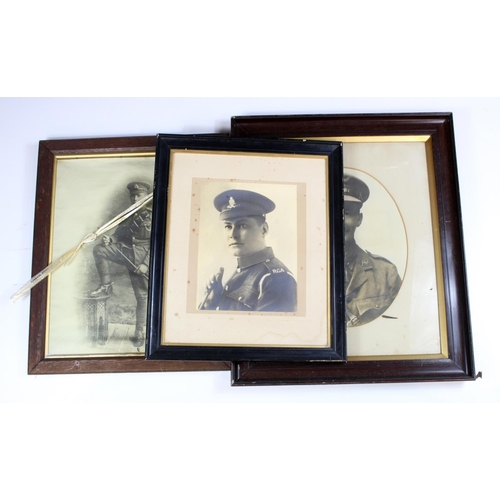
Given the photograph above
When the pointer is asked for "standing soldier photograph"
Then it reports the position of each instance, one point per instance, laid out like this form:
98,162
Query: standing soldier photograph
129,246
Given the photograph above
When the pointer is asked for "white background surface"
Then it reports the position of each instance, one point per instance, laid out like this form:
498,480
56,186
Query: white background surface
130,435
84,422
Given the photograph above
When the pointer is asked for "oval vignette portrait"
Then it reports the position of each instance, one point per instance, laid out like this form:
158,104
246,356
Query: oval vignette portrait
376,248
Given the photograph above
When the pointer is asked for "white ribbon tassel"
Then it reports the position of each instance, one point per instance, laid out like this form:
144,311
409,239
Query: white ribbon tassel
71,254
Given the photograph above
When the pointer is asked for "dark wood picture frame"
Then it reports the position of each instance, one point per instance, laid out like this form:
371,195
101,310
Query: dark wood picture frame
459,363
174,154
38,361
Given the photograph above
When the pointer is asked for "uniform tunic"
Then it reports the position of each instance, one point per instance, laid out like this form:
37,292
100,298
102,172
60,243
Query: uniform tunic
129,247
260,283
372,284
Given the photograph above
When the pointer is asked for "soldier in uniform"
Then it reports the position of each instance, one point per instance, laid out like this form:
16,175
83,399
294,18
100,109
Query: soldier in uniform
261,282
372,282
129,246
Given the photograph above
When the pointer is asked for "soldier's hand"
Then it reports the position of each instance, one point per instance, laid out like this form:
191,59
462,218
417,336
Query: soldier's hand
216,281
106,240
141,269
213,291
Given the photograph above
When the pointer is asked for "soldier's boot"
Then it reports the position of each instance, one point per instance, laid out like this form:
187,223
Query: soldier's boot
138,338
102,290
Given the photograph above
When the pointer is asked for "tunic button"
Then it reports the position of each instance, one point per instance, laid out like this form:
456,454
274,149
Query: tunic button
238,270
240,298
226,287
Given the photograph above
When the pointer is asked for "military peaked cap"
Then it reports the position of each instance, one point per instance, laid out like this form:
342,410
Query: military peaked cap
138,187
355,189
242,203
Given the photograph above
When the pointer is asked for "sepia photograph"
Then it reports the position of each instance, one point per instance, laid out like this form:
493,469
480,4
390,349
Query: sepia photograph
247,246
373,277
392,276
98,302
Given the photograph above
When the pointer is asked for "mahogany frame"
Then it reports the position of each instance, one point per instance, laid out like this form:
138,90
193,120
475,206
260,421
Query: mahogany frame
459,365
38,362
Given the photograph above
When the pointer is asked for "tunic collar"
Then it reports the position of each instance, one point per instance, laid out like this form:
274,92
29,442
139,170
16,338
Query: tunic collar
363,263
255,258
351,254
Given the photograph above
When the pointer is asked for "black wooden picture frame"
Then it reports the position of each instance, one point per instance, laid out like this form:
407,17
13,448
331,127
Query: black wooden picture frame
178,328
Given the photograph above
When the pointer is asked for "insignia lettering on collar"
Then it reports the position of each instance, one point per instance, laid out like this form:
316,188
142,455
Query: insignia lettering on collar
364,262
280,270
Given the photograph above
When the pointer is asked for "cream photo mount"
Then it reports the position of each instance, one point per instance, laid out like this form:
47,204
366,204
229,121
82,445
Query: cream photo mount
247,250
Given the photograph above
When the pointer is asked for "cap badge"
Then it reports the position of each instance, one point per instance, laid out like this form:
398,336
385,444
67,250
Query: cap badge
232,203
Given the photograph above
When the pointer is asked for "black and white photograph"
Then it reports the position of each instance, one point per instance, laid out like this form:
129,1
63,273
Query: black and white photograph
97,303
248,246
372,280
393,283
254,229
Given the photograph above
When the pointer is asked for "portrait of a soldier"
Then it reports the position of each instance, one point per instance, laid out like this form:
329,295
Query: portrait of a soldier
129,246
372,282
260,282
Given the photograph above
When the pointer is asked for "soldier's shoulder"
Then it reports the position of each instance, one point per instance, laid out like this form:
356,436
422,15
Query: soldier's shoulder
378,260
276,268
377,257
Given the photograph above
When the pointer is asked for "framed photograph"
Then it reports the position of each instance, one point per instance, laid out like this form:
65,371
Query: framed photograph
243,232
90,315
406,292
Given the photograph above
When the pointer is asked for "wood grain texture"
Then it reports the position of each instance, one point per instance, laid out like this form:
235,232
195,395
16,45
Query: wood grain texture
38,363
460,363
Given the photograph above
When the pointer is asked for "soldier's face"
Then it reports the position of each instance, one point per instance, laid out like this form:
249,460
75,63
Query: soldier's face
353,219
244,235
135,197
